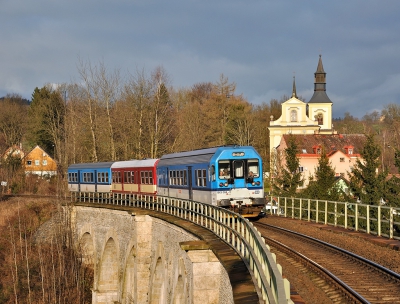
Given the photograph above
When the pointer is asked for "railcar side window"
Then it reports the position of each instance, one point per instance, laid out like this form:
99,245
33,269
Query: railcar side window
146,177
253,167
224,169
102,177
88,177
177,177
73,177
201,178
129,177
116,176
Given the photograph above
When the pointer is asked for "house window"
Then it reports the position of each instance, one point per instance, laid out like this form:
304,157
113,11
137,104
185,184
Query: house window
319,151
29,162
350,151
301,169
44,162
293,115
37,162
342,159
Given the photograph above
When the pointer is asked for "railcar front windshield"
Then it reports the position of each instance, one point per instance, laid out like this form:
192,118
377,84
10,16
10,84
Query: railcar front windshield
224,169
253,166
240,168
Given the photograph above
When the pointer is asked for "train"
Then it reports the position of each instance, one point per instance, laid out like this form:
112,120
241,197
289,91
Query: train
225,176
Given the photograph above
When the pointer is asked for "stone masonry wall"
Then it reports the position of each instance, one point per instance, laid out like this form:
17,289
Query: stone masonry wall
138,259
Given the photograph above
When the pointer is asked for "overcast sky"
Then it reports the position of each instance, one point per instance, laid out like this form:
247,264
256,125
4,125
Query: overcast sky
259,45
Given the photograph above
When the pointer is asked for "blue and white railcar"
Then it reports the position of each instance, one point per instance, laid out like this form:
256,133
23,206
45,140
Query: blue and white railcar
90,177
229,176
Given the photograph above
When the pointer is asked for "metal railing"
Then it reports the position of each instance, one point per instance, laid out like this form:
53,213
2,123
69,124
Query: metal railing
373,219
231,227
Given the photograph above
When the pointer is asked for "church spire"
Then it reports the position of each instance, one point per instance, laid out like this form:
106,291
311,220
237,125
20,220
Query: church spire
320,77
320,85
294,94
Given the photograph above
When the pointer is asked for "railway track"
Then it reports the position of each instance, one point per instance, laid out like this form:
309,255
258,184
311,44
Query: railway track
344,276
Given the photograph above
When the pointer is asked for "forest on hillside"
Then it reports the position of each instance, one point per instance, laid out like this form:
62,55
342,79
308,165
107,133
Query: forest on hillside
107,116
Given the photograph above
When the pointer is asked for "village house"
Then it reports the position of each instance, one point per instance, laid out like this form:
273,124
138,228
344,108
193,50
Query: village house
38,162
14,151
342,150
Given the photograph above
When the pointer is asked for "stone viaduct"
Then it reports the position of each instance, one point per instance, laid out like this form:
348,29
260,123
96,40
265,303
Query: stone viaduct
143,257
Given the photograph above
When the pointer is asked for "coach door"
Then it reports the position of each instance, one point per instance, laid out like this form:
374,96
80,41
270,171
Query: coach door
79,180
190,183
95,180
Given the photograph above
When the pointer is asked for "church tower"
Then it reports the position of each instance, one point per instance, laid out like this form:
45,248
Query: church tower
300,118
320,106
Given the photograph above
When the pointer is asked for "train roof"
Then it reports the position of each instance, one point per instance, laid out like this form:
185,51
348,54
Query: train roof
100,165
135,163
197,156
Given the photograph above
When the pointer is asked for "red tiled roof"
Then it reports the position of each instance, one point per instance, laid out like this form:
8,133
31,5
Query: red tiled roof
331,142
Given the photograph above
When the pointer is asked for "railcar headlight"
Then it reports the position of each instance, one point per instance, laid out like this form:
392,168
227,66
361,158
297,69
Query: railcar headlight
221,184
258,183
253,183
226,184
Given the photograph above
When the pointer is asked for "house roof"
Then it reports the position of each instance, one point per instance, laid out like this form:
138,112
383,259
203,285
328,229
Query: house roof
331,142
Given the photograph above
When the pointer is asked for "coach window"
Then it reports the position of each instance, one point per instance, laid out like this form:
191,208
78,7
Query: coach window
201,180
88,177
150,178
185,177
180,177
223,169
116,175
253,167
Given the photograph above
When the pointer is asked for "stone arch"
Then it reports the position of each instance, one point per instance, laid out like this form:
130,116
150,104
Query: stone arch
158,283
87,249
108,272
180,286
129,283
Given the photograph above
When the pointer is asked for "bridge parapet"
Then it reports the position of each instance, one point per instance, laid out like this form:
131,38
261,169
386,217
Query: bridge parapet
236,231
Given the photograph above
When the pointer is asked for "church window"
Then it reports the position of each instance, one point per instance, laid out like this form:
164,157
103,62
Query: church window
293,115
320,119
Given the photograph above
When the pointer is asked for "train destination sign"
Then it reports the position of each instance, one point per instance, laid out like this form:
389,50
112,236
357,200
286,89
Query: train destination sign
237,153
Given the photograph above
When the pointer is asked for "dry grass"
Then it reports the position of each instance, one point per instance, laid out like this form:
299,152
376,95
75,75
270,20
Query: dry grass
32,272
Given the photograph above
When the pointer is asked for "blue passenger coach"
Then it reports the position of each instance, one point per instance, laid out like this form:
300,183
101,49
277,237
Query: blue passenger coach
228,176
90,177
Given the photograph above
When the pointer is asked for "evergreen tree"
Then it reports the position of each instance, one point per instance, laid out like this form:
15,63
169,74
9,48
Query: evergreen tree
47,114
365,183
289,178
392,187
323,186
